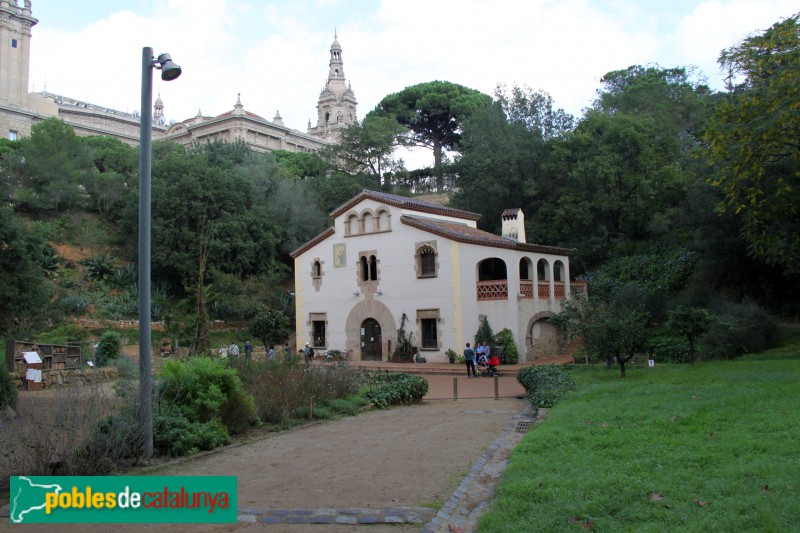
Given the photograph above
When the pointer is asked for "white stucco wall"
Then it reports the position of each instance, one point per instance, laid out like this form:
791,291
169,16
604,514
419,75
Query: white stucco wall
453,291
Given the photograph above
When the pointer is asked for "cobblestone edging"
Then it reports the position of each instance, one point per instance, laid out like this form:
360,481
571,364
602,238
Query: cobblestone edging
348,516
475,493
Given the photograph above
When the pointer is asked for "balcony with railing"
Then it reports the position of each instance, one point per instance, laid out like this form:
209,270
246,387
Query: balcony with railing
526,289
496,289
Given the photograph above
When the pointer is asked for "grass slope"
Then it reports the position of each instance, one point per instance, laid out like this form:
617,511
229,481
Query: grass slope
709,447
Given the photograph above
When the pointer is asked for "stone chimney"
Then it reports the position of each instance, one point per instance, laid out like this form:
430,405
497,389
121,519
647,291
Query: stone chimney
514,224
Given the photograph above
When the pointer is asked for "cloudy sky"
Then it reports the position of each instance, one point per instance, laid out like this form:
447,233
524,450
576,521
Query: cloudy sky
276,53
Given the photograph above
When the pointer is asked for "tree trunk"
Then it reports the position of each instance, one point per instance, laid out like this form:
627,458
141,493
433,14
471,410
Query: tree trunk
437,165
202,342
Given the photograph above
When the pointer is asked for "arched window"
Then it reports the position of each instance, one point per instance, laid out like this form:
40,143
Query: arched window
426,261
558,271
373,268
369,223
316,269
351,225
364,268
383,221
492,279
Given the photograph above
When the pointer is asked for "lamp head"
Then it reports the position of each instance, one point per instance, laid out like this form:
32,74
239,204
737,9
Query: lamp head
169,70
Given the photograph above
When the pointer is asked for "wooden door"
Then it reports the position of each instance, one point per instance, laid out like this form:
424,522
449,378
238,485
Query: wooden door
371,342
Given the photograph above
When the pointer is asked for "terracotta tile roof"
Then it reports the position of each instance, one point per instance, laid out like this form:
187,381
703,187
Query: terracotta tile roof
404,202
313,242
510,212
466,234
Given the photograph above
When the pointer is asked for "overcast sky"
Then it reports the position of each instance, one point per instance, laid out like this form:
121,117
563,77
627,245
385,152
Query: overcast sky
276,53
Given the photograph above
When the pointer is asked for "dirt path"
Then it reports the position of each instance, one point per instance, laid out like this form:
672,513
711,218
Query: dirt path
412,456
403,457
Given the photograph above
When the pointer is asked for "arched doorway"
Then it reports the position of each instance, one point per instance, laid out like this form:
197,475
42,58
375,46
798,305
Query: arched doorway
544,339
371,342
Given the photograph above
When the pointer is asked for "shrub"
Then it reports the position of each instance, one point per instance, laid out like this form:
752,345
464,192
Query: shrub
505,338
484,333
8,391
109,347
342,406
397,389
740,328
669,349
282,390
73,304
175,435
197,398
115,441
545,384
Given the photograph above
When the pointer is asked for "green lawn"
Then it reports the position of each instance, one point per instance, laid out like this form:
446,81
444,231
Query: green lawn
709,447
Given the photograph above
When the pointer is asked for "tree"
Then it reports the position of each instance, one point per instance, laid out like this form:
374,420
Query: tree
434,112
689,322
610,330
606,181
368,147
24,295
503,148
56,165
668,96
753,142
302,164
270,325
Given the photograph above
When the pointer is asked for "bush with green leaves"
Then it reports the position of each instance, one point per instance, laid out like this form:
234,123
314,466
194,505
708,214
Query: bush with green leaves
669,349
108,349
399,388
8,391
200,400
545,384
739,328
505,338
175,435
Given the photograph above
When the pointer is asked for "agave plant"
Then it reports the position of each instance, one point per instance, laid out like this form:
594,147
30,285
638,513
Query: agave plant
100,268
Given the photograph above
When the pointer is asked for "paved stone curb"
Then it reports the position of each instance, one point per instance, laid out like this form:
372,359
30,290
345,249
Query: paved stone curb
475,493
350,515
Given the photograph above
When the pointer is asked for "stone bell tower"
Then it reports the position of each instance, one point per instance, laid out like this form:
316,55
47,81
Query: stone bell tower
336,107
16,22
15,50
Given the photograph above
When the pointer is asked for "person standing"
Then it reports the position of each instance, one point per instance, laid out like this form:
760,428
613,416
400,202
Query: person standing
271,352
287,353
308,352
248,349
233,349
469,360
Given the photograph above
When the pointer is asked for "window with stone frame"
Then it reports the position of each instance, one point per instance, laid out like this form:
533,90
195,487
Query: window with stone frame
316,273
426,261
428,321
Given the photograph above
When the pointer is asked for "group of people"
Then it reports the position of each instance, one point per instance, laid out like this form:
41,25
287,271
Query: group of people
233,351
482,354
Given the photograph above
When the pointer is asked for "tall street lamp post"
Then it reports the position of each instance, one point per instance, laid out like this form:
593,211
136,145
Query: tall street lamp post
169,71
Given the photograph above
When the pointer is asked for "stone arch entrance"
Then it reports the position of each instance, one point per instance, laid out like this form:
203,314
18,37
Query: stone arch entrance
376,319
543,339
